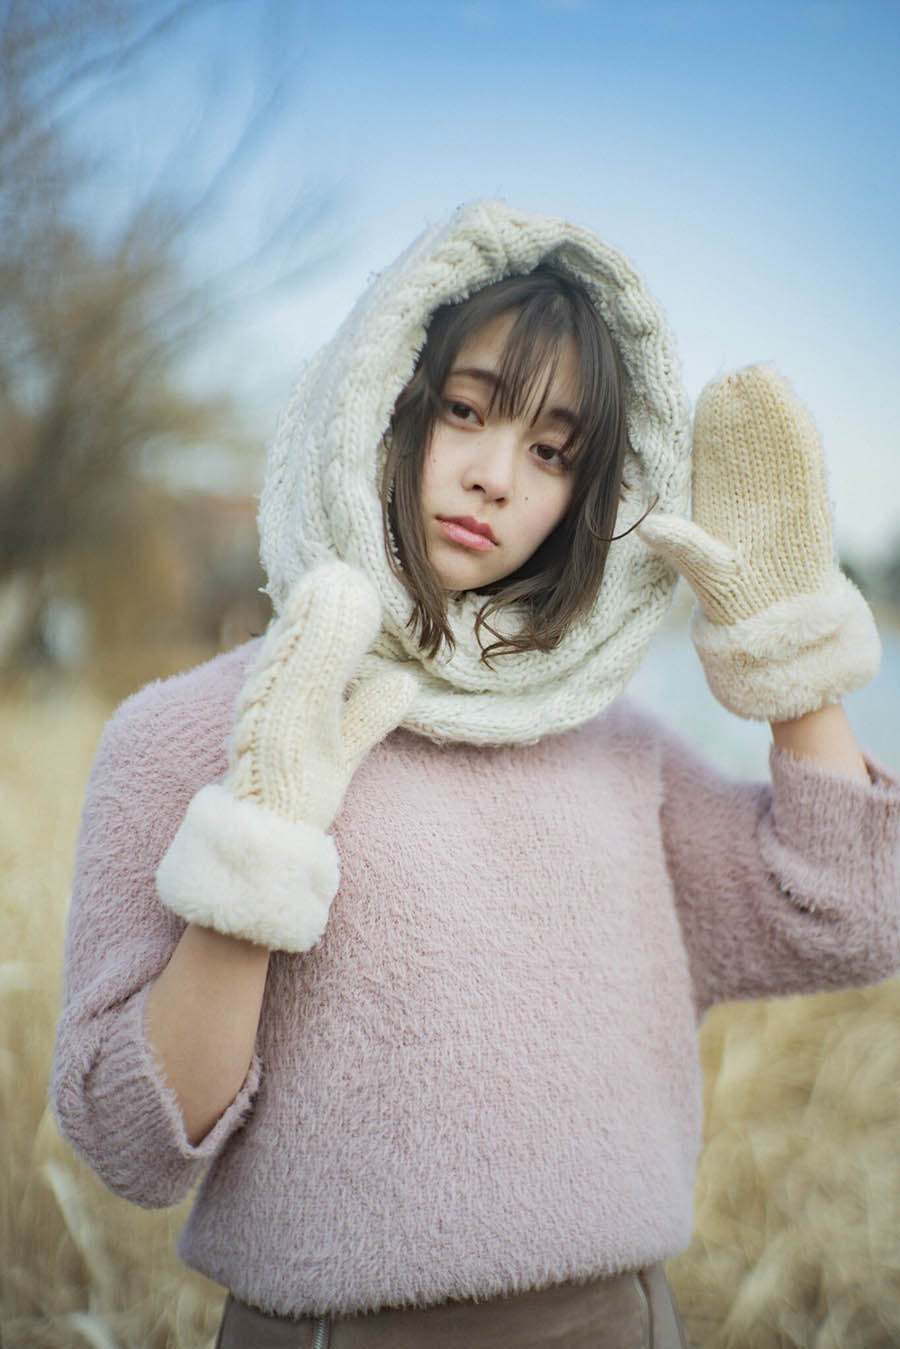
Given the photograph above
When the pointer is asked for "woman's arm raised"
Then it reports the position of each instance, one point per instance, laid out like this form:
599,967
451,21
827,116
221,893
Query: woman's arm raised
825,737
790,886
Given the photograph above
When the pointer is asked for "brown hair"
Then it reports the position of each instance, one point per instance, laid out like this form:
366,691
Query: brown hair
560,580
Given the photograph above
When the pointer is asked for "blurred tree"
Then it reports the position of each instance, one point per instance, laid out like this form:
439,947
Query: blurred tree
94,330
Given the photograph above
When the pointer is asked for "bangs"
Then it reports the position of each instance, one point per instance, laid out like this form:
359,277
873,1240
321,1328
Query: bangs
548,312
529,364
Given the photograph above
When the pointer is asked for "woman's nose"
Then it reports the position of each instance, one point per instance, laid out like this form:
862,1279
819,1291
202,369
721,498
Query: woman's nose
491,469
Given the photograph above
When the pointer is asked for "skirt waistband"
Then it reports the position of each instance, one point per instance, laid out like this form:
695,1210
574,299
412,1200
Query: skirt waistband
634,1310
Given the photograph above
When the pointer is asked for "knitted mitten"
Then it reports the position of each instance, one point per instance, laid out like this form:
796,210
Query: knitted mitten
779,628
251,857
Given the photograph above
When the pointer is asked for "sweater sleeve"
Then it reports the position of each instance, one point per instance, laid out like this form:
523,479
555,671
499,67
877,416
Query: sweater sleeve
110,1095
785,887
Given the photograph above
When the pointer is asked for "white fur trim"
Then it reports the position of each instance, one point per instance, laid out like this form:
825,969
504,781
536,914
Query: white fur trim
241,869
795,656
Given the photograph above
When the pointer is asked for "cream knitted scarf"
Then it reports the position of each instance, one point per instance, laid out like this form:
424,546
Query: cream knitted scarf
320,498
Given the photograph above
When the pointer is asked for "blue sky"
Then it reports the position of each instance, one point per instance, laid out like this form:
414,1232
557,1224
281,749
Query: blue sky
743,156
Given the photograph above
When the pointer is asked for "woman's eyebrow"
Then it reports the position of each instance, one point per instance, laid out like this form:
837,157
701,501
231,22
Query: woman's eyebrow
558,414
477,372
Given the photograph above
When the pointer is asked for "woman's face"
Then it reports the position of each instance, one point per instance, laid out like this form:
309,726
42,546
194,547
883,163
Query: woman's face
493,488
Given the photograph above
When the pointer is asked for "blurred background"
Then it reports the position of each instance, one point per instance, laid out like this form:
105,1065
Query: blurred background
192,195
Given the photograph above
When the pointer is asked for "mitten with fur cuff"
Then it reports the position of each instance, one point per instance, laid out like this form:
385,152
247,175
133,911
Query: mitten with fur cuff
252,857
779,628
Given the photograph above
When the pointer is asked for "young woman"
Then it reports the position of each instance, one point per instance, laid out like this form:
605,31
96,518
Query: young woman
396,927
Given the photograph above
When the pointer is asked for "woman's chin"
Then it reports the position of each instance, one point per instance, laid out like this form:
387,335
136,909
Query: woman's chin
463,572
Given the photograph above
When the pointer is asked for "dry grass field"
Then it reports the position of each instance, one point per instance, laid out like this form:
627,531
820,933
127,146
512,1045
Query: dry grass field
797,1231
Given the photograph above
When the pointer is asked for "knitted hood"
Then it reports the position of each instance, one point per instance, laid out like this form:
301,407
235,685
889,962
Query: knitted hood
321,500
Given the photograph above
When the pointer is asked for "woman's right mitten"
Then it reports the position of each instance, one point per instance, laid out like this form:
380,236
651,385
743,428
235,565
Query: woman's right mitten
252,857
780,629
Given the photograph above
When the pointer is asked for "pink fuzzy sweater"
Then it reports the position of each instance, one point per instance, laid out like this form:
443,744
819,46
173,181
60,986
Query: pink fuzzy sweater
485,1076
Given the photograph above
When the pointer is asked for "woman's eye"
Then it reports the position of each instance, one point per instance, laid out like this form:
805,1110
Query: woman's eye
549,454
461,411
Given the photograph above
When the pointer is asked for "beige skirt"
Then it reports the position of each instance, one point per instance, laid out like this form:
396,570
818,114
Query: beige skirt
635,1310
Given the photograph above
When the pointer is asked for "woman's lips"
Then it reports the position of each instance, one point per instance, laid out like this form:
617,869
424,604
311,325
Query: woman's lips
470,533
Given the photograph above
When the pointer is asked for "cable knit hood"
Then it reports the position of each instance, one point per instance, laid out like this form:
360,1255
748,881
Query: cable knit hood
321,494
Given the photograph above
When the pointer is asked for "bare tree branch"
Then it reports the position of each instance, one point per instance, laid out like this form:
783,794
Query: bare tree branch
94,332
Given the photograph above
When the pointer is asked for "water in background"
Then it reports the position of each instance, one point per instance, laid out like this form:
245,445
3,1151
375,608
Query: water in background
671,683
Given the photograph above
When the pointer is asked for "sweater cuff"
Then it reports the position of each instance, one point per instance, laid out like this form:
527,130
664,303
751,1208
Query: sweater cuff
127,1120
850,832
239,868
169,1111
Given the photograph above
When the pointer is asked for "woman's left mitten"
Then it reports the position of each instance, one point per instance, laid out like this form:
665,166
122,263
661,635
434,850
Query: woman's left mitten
252,857
779,628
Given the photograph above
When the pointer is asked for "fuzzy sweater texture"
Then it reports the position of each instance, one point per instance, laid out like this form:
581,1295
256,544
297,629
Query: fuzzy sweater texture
484,1078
